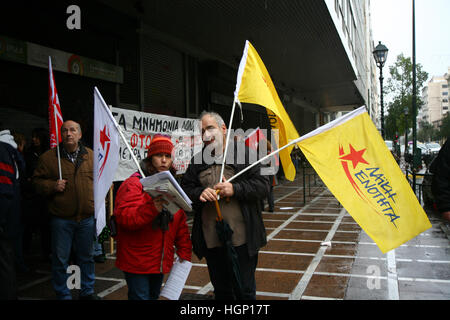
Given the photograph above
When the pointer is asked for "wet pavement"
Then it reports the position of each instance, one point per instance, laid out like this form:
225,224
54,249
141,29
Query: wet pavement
315,251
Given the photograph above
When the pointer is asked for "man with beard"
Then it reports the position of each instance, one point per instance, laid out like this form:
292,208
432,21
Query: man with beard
240,206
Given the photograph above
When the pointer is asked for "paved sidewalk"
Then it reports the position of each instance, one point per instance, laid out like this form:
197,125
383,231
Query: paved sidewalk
314,252
417,270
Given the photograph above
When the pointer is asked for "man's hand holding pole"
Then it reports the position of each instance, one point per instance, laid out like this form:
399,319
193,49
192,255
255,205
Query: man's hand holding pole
60,185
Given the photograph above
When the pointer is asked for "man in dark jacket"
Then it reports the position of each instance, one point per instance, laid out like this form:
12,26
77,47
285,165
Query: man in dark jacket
441,180
9,213
71,204
239,204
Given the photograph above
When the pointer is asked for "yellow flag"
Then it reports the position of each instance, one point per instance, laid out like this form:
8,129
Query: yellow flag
353,161
255,86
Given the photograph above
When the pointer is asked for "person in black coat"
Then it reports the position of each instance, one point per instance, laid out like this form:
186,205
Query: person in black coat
440,186
240,206
11,164
36,216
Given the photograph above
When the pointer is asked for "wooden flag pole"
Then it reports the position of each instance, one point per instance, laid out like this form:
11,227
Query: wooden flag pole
219,213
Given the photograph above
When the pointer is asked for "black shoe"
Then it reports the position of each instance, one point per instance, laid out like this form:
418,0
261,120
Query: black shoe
90,297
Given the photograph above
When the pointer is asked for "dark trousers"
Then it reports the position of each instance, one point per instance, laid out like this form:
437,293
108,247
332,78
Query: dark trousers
270,199
221,276
143,286
8,285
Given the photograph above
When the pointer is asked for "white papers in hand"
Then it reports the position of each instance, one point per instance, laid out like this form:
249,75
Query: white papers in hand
176,280
163,183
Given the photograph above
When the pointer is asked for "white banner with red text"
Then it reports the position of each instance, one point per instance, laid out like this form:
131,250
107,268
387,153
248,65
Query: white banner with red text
139,128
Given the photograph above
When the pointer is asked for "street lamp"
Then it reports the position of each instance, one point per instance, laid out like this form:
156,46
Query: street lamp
380,56
406,129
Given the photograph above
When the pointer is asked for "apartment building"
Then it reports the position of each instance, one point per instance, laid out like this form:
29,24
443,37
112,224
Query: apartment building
436,100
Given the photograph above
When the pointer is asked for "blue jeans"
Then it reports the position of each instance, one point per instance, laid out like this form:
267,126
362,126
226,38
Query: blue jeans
98,248
66,233
143,286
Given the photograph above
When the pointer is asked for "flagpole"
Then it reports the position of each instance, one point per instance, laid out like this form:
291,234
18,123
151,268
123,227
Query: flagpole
226,142
57,142
111,211
120,133
264,158
325,127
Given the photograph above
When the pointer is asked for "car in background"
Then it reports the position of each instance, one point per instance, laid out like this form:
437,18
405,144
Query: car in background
423,148
389,144
424,154
433,147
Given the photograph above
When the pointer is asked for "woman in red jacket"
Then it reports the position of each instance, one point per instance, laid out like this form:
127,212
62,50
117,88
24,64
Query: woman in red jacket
146,232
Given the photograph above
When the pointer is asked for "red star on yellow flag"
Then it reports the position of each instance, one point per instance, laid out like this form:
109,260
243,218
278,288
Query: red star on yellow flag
355,156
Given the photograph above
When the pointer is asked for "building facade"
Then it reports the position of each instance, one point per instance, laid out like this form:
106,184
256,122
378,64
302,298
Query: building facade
181,57
436,100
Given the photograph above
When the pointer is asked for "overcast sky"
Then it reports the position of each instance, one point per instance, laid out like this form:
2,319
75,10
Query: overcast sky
392,25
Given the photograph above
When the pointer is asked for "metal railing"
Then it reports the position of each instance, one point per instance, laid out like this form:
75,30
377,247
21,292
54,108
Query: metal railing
420,184
309,173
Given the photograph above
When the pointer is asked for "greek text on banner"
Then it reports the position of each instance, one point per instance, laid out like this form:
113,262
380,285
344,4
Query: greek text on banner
139,128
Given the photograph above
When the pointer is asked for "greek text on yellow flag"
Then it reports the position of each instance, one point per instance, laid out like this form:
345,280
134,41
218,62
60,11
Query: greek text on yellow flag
352,159
255,86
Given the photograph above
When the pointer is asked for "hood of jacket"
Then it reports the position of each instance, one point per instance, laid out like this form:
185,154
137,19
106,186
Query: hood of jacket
6,137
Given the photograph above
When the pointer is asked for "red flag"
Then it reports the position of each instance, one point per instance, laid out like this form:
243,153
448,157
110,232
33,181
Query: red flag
253,139
53,106
256,137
